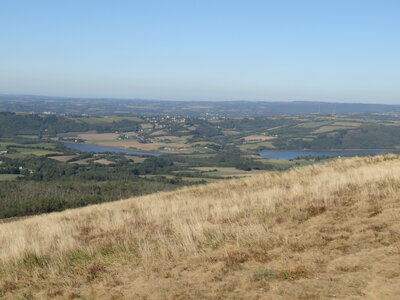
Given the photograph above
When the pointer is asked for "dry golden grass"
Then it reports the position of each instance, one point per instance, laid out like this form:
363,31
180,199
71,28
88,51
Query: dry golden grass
316,232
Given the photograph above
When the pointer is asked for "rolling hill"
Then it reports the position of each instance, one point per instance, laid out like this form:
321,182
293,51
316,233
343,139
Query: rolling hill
323,231
108,106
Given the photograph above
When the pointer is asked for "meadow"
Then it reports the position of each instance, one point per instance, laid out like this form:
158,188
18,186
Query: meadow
315,232
8,177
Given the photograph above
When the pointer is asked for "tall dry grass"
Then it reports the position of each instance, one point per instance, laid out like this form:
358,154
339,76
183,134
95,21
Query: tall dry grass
189,220
192,221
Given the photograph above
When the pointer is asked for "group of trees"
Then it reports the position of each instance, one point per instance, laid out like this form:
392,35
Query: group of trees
231,158
47,185
34,197
46,169
366,137
12,124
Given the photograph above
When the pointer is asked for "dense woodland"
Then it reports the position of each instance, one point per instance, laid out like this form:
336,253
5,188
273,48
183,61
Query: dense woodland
12,124
45,185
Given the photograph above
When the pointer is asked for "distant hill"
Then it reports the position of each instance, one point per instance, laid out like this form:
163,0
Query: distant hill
315,232
101,107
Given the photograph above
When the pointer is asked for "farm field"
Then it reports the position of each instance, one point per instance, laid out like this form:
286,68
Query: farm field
258,138
145,147
253,146
63,158
198,180
227,172
22,152
8,177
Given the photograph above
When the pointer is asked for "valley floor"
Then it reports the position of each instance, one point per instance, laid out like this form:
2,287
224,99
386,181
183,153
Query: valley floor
317,232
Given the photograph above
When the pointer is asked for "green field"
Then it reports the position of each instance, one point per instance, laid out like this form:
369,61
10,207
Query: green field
36,152
8,177
255,145
226,172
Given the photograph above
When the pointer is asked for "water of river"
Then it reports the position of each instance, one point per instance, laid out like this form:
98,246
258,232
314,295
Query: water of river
273,154
292,154
101,149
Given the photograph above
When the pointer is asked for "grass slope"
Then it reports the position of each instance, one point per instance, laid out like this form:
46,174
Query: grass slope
317,232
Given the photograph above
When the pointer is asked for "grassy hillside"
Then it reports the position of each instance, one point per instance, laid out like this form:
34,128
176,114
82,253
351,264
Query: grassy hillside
323,231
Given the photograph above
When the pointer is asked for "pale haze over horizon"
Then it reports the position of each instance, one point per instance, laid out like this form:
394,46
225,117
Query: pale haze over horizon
336,51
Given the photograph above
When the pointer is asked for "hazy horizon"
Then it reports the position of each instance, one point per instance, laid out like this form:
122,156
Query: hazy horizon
188,101
339,51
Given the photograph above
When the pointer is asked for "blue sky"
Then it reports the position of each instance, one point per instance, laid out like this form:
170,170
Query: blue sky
281,50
